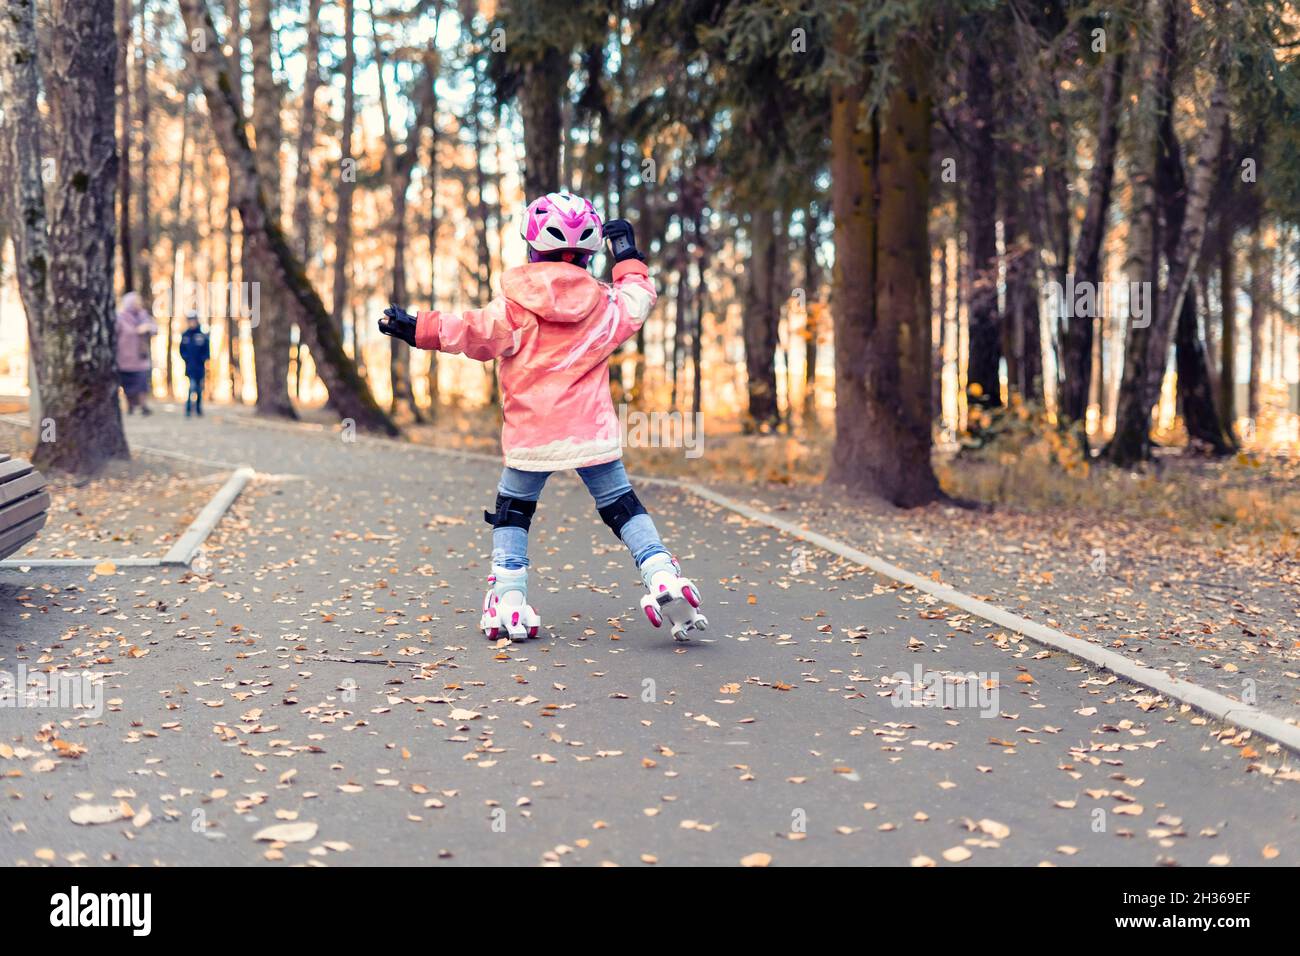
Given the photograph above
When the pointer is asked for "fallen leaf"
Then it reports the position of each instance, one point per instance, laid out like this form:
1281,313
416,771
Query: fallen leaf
286,833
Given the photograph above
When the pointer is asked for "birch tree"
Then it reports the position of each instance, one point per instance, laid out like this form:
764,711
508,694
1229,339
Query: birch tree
264,244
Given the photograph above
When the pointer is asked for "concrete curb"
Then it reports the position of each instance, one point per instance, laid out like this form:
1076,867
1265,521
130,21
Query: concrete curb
1208,702
183,551
19,564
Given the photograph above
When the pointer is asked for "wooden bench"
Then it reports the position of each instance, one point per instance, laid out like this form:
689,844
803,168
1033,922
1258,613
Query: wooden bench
24,504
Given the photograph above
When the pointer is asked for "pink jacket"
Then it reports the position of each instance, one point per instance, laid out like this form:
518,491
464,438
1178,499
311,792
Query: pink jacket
134,328
553,327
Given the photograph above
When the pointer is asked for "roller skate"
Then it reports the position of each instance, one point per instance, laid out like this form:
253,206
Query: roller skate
506,611
671,597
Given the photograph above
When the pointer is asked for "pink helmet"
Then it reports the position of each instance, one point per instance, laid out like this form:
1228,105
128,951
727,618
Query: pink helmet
561,222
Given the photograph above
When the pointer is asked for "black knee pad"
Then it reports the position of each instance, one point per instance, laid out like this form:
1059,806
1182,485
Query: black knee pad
621,510
511,513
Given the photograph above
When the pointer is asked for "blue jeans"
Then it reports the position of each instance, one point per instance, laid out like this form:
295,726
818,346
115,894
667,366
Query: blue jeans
194,399
607,483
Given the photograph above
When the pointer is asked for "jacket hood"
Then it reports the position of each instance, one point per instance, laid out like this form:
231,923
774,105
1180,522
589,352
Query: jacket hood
554,291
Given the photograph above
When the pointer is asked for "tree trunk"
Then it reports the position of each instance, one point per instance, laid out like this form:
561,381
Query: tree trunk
1076,345
265,244
701,290
1195,389
302,179
985,354
759,323
347,178
540,95
431,375
1144,365
144,214
937,341
682,307
898,362
21,141
882,287
499,221
781,285
1258,310
177,268
234,327
614,136
235,20
79,385
1211,332
307,136
482,224
124,164
1195,393
271,328
1228,322
812,286
853,295
1276,266
231,319
399,358
647,225
1131,441
1022,342
398,165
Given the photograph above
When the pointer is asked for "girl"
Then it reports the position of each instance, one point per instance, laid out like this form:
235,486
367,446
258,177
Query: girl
553,328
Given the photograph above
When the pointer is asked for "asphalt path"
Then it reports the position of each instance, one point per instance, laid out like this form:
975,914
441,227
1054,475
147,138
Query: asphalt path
320,671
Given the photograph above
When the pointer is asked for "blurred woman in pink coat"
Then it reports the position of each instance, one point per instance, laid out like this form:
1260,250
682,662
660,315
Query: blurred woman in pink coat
135,331
553,329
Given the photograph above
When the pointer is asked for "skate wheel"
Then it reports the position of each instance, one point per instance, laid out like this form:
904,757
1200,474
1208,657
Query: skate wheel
491,633
692,598
532,631
652,615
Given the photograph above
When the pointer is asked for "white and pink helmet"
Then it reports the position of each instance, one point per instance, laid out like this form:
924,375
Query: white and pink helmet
561,222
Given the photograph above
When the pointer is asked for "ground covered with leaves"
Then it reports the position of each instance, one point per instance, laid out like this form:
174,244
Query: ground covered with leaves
133,508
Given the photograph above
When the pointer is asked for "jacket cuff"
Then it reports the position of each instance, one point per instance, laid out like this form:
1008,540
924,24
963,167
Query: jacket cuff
630,267
426,331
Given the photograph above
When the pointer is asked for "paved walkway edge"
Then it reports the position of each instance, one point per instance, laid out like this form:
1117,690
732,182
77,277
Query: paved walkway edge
1207,701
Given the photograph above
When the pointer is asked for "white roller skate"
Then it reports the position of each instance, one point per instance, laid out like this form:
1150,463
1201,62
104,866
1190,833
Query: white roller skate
506,611
671,597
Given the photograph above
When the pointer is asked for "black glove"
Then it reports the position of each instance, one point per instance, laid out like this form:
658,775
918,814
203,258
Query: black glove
622,243
399,323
